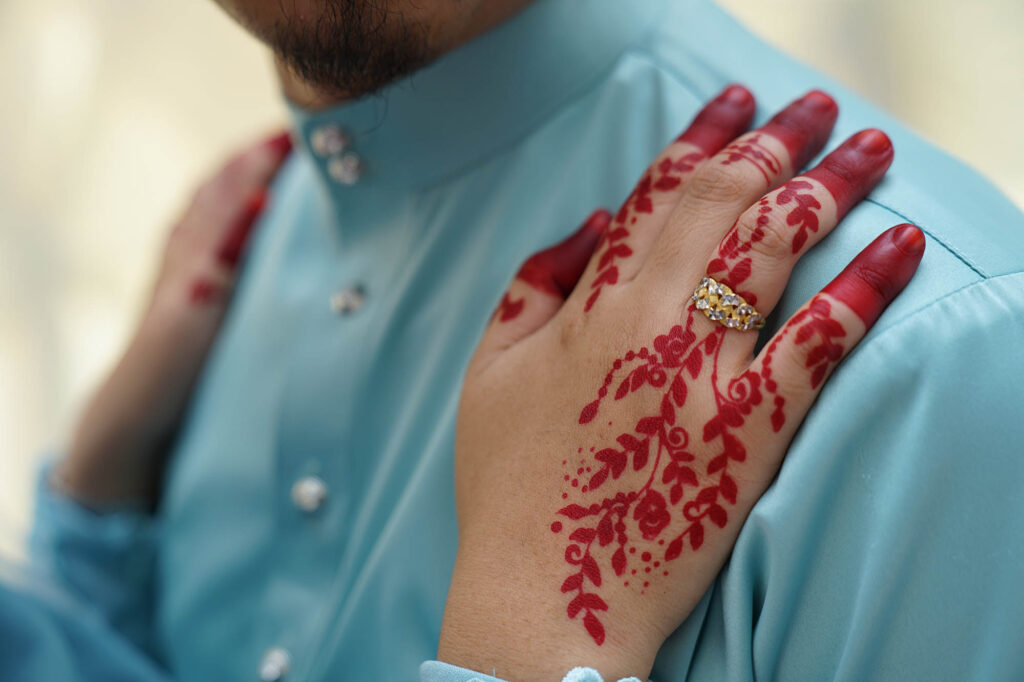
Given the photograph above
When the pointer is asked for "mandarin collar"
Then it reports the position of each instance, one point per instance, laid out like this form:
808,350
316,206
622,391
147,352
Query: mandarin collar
474,101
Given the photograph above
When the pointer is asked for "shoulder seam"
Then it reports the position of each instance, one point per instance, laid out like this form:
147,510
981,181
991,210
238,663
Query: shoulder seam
960,257
913,316
642,52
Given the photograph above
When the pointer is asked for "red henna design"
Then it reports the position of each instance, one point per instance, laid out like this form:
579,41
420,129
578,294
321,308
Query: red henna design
509,309
804,126
751,150
803,214
878,273
851,171
659,445
666,176
848,174
203,292
281,143
721,121
557,269
231,248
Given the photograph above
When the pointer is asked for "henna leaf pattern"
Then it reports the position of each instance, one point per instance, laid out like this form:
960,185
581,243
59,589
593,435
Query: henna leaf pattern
673,498
666,176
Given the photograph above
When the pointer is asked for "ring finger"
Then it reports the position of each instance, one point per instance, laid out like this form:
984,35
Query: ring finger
625,241
733,180
757,255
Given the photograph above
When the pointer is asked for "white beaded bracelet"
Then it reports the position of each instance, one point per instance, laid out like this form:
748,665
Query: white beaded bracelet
591,675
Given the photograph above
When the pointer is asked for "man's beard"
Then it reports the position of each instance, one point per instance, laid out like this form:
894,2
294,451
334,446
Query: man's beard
354,47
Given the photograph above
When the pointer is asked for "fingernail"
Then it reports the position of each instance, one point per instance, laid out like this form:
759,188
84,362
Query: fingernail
909,239
282,144
736,94
597,222
818,100
872,141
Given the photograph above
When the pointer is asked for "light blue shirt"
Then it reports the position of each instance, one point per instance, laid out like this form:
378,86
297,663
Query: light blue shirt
889,547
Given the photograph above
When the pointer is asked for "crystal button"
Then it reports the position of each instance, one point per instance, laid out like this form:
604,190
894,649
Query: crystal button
349,300
275,664
309,493
345,169
329,140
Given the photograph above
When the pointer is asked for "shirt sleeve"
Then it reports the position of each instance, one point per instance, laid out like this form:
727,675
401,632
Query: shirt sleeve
103,559
890,545
47,636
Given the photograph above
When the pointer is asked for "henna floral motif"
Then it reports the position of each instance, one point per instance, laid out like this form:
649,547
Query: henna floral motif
676,484
751,150
666,176
802,215
733,267
682,484
659,445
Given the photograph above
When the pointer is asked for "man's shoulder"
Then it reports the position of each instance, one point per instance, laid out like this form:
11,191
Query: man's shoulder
974,231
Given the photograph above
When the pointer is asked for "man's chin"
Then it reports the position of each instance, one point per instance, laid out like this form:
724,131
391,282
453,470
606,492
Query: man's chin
338,49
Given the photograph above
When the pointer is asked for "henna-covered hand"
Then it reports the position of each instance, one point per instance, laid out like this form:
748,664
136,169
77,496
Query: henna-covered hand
117,450
611,441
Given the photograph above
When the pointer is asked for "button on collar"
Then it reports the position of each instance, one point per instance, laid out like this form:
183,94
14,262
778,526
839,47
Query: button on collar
348,300
329,140
309,493
345,169
275,664
456,114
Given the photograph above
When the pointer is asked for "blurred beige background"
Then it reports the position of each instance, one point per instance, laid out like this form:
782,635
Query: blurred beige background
113,110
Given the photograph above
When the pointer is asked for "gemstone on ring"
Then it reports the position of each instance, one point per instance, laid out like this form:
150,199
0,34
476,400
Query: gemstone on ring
721,304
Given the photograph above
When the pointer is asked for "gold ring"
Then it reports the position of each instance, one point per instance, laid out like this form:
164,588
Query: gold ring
721,304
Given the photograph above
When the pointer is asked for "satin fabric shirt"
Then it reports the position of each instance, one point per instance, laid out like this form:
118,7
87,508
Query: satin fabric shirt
888,548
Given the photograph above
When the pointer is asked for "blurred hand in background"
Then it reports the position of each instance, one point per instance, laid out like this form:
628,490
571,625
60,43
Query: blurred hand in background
121,439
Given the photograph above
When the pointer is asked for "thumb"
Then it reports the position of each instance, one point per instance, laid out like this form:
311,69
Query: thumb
542,284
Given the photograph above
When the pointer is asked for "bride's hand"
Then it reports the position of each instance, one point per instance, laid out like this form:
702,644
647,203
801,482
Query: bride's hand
117,449
611,437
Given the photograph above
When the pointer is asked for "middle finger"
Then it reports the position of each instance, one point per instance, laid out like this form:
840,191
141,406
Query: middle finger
735,178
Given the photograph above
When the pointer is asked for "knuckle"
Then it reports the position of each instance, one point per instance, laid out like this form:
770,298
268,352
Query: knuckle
717,183
842,171
571,326
792,377
767,233
794,372
876,282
